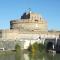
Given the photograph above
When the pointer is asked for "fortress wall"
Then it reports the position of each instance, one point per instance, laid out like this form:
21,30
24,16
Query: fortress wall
29,26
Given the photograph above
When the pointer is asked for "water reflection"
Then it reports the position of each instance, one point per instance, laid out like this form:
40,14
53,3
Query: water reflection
26,56
7,57
17,57
29,56
42,57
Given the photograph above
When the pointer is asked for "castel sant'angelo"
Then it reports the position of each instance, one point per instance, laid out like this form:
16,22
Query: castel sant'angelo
30,28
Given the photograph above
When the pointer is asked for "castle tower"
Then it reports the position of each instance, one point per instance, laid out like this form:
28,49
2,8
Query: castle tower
29,21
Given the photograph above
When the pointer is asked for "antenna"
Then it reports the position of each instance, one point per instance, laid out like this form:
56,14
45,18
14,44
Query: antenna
29,10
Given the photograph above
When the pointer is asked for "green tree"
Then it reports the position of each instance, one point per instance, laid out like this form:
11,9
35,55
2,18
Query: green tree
36,47
30,48
17,48
41,47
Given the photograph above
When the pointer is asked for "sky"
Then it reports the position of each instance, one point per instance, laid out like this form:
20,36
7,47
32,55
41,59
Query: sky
13,9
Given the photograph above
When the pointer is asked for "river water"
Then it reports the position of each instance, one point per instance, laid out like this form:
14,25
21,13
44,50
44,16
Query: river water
30,57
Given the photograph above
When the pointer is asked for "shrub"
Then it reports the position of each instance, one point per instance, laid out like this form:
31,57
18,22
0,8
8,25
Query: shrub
36,47
17,48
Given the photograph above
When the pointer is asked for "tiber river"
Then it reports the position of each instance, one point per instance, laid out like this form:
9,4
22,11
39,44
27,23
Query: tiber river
27,56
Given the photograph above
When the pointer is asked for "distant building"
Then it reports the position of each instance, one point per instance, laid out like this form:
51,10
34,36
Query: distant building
31,28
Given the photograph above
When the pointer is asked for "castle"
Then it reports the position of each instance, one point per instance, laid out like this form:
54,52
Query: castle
30,28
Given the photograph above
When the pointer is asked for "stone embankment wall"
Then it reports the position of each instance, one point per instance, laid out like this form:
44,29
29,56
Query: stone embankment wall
9,45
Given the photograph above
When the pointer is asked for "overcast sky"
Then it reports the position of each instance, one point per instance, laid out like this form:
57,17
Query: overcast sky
13,9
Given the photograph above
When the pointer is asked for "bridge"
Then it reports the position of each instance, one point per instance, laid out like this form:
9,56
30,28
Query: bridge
52,44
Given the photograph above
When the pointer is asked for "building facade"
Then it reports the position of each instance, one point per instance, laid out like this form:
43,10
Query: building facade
30,28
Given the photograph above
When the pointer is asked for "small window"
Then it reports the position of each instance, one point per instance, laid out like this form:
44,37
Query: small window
36,20
0,34
40,18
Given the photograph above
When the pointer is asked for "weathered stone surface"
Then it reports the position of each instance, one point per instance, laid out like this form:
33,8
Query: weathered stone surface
30,28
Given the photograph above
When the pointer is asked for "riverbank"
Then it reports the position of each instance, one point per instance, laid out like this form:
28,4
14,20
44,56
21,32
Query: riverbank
10,52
